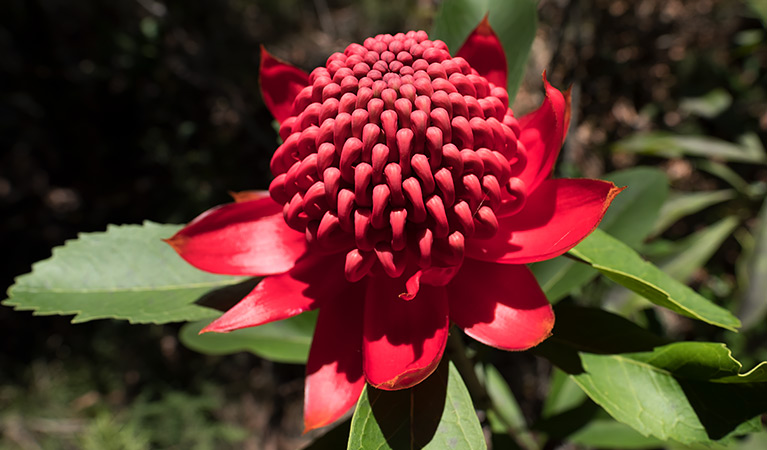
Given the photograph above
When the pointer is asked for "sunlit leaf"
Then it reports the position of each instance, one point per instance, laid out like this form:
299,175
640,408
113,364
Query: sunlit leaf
689,392
436,414
624,266
285,341
125,273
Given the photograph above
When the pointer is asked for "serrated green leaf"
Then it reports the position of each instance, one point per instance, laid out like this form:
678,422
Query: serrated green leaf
630,218
653,392
624,266
709,361
124,273
436,414
682,204
675,146
286,341
514,22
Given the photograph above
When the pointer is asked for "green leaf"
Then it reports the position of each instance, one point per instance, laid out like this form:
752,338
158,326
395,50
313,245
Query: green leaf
692,252
760,8
710,361
676,146
630,218
579,329
689,392
514,22
709,105
125,273
563,394
506,416
753,308
610,434
435,414
285,341
633,212
682,204
624,266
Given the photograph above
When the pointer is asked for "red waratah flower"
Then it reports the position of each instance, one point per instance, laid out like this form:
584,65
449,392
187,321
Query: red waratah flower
406,196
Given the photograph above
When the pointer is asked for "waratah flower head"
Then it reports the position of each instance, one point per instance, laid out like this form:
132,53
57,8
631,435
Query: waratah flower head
406,196
397,153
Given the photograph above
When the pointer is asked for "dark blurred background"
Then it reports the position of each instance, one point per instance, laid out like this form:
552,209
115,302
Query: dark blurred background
128,110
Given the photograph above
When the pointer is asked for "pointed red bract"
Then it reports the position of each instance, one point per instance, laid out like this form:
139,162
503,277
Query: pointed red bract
500,305
306,286
403,340
542,133
484,53
246,196
247,238
280,84
559,214
334,377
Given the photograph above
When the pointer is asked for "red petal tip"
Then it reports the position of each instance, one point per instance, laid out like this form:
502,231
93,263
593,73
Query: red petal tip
246,196
484,52
280,84
408,379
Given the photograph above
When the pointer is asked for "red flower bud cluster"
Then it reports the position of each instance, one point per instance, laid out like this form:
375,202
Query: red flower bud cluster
397,152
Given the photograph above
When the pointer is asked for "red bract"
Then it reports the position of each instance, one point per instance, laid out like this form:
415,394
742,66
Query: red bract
406,196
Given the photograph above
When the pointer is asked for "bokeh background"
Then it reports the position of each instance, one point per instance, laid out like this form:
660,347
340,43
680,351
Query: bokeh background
127,110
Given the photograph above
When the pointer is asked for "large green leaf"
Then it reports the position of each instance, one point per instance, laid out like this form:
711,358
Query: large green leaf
435,414
125,273
624,266
668,145
514,22
688,392
282,341
630,218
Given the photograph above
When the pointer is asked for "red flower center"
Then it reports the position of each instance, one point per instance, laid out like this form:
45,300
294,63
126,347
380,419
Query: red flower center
396,153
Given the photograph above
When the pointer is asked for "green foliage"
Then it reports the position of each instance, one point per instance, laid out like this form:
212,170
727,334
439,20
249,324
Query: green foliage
285,341
688,391
748,150
436,414
629,218
622,265
659,401
514,22
125,273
